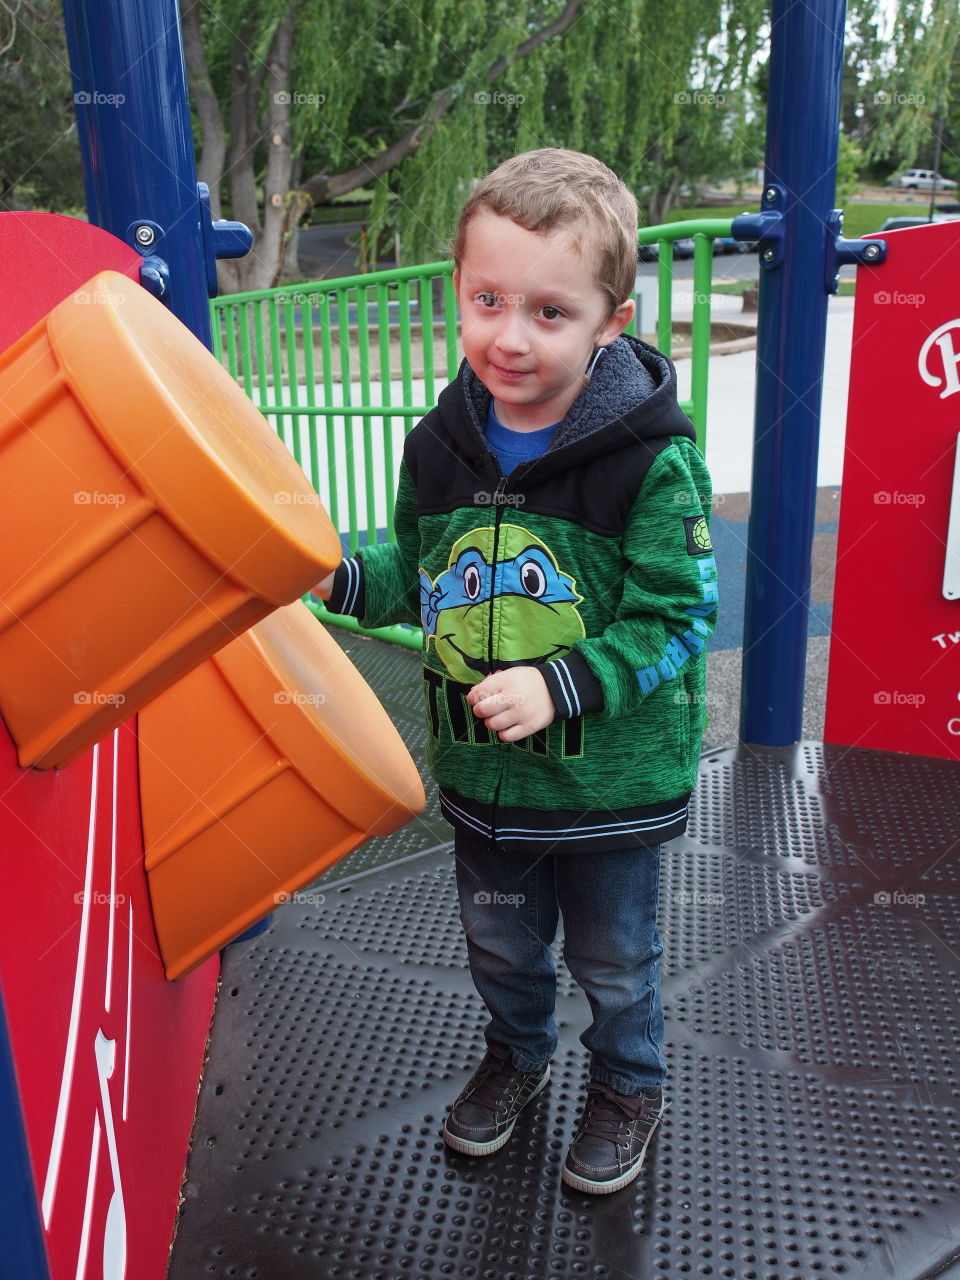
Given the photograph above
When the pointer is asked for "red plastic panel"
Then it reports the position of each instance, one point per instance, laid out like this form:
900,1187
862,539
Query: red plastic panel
44,257
108,1053
894,680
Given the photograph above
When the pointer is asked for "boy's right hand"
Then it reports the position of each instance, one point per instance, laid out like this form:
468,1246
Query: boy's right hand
323,589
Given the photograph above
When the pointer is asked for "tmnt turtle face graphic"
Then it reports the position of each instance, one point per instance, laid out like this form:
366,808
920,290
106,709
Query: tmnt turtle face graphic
520,606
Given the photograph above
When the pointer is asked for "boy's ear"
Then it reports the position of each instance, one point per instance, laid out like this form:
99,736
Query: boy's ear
456,279
617,323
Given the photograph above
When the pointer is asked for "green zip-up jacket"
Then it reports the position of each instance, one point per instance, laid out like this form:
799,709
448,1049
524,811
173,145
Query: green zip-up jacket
594,563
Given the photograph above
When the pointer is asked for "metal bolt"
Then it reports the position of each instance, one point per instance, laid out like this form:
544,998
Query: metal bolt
768,255
145,236
871,252
770,195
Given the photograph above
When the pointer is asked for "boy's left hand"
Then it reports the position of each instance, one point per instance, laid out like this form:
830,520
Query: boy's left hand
513,703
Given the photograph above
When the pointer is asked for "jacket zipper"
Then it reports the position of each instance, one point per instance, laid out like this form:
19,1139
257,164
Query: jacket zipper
498,495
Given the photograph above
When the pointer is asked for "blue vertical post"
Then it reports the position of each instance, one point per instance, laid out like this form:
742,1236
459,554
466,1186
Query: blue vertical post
21,1235
136,142
803,114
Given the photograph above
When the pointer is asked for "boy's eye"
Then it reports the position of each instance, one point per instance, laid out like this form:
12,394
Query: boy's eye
487,299
551,313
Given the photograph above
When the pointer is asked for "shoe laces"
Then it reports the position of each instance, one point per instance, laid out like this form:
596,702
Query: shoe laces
608,1114
492,1079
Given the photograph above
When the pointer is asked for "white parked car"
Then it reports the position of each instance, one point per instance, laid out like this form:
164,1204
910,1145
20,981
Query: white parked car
923,180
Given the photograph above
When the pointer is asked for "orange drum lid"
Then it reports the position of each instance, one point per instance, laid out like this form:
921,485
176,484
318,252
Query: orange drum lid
175,417
313,704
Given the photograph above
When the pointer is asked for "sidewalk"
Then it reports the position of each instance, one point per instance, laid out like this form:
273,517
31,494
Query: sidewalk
730,431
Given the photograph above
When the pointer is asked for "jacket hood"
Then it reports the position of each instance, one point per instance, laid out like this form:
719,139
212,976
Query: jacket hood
631,396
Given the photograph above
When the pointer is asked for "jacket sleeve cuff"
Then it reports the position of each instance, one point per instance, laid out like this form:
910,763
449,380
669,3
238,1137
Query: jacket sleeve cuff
347,595
573,686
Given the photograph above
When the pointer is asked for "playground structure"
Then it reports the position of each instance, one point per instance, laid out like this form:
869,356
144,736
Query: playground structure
808,1113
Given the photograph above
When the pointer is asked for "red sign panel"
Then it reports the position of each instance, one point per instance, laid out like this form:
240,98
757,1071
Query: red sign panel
107,1053
894,681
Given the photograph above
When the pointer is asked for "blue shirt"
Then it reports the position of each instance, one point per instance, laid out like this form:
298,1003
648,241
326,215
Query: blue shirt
513,447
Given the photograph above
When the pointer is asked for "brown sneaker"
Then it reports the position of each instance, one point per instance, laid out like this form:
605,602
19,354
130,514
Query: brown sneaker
611,1139
483,1116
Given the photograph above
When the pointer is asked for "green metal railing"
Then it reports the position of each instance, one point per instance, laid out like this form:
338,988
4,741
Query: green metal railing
345,368
703,232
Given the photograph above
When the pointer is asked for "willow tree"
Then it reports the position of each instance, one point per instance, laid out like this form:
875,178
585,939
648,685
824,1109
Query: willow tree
298,101
905,79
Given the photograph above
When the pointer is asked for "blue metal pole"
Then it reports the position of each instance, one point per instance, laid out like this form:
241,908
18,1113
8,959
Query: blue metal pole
806,62
23,1253
133,120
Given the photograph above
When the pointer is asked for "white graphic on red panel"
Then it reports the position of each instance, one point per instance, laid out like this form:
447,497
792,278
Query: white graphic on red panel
99,1054
951,567
942,366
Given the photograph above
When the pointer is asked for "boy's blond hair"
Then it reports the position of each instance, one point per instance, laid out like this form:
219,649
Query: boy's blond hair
553,187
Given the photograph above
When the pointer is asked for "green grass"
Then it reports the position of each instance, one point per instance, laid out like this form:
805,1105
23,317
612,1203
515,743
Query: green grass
335,214
712,211
860,217
736,287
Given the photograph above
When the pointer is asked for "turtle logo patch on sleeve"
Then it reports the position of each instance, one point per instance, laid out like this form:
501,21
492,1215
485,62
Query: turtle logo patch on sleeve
698,535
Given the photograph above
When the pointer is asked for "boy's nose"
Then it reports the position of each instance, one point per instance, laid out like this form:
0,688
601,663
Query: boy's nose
511,332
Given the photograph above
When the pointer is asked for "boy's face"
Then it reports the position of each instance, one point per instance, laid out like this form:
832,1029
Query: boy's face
531,316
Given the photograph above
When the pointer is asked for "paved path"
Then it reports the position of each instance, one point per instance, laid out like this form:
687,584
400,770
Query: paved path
729,455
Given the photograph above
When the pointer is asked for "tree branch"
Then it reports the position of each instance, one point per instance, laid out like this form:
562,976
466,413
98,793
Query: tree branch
213,138
322,186
538,38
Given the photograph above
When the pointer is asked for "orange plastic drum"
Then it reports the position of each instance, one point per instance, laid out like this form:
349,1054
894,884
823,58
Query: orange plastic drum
258,771
150,514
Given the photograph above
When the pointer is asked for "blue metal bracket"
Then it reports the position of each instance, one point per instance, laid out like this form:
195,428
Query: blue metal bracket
147,238
221,239
155,277
840,252
767,226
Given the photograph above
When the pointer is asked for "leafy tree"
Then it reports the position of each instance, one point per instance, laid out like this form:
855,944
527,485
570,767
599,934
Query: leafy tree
901,80
39,153
299,101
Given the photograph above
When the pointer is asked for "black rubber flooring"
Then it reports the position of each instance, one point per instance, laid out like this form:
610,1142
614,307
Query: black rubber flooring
811,920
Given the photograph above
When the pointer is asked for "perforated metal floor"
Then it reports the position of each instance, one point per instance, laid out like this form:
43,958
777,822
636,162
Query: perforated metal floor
811,921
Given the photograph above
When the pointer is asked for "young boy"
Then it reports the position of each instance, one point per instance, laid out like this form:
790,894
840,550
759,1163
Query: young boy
552,538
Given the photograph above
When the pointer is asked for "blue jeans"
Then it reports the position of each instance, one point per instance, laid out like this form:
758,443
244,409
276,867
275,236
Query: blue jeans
510,906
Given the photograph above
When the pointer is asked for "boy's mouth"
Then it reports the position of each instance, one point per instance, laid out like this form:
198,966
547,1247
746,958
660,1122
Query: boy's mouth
509,374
